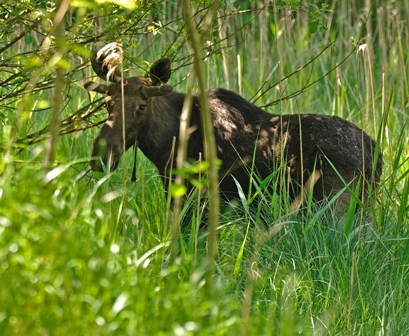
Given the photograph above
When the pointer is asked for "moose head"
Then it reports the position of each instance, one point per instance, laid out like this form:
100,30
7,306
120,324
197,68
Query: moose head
129,103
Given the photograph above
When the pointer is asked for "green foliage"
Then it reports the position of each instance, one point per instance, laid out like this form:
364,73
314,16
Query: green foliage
89,253
129,4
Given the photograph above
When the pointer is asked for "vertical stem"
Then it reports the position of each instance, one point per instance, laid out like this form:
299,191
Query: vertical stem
263,21
197,214
222,34
239,75
143,209
248,291
208,136
54,128
351,289
124,150
180,159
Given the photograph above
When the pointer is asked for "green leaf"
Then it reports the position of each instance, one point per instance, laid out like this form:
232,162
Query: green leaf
28,39
313,27
351,212
198,167
63,63
33,61
177,190
281,4
294,4
199,183
130,4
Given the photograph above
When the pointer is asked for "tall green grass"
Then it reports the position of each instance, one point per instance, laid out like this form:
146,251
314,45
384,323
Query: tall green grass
89,253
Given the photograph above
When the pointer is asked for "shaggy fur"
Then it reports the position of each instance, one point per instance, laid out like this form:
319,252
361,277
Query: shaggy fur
249,140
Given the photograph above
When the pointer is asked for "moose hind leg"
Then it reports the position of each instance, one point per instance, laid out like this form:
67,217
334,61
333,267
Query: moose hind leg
309,184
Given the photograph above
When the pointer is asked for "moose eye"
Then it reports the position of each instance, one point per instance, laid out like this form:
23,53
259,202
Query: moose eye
142,107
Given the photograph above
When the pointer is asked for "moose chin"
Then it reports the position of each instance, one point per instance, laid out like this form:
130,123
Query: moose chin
343,154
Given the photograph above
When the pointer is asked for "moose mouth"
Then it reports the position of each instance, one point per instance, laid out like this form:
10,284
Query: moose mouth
100,165
104,157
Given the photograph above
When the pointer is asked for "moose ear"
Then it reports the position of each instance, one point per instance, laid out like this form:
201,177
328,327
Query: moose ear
100,88
160,71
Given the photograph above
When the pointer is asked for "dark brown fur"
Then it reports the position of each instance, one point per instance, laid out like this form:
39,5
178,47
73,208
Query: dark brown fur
242,130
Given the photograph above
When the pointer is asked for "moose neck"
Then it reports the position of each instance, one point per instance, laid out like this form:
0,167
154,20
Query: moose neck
156,132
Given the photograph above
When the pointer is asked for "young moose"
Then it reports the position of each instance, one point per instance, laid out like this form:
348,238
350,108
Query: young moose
341,152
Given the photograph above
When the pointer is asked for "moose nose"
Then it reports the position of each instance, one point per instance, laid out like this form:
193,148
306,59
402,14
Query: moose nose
99,149
95,165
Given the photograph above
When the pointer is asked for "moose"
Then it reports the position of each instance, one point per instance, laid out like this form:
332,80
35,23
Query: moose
249,140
